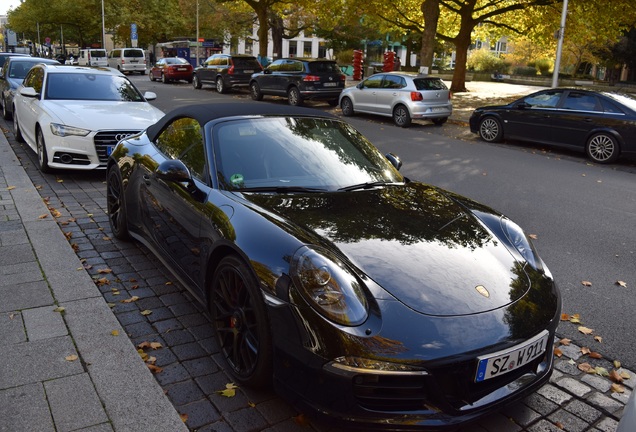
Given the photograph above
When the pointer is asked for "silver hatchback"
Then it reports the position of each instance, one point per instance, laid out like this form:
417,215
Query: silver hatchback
403,96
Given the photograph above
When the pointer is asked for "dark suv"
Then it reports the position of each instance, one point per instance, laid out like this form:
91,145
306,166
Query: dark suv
226,71
299,79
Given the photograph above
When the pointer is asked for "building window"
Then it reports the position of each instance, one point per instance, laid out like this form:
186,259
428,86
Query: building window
322,50
293,48
307,49
249,46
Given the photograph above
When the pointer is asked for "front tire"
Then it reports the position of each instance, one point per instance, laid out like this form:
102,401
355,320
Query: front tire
116,204
401,116
43,156
293,97
195,82
220,85
255,91
490,129
602,148
240,322
16,128
346,105
164,79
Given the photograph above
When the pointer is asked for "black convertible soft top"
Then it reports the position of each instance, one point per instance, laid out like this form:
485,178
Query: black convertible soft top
204,113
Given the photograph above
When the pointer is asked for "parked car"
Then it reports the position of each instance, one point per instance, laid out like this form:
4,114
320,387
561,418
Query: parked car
226,71
93,57
5,55
171,69
395,302
11,75
602,124
401,95
299,79
73,116
128,60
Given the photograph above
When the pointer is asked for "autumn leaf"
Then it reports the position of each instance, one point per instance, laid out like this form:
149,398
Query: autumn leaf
106,238
115,291
130,300
184,417
585,350
559,425
617,388
154,369
621,283
230,390
43,216
301,420
70,358
598,339
586,330
558,352
595,355
565,317
59,309
150,360
251,404
625,375
586,367
532,236
168,283
155,345
615,376
143,354
586,283
59,180
104,271
115,333
146,312
111,305
601,371
55,212
10,188
102,281
565,341
617,364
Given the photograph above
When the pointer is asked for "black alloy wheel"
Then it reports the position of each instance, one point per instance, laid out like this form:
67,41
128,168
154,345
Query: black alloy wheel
346,105
239,319
116,205
401,116
255,91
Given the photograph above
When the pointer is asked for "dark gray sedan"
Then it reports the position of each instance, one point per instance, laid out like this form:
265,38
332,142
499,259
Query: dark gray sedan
603,124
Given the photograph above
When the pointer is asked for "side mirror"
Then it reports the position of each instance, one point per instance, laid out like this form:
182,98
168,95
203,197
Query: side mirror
174,171
395,160
150,96
29,92
523,105
360,85
267,71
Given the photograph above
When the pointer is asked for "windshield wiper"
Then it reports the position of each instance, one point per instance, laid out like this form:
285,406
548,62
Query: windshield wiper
279,189
367,185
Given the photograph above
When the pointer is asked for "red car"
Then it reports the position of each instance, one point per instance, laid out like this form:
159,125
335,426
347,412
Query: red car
171,69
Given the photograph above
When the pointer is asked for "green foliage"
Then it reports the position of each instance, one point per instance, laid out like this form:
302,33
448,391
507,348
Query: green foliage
484,60
544,65
525,71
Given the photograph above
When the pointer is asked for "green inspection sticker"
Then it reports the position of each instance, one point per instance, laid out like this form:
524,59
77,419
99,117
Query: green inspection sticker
237,179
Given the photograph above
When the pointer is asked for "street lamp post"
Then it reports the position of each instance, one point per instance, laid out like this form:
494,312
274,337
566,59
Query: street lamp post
557,63
103,28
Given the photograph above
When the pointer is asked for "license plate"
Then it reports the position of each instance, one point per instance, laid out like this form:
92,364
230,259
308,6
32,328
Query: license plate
438,109
249,71
330,84
502,362
134,61
109,150
182,69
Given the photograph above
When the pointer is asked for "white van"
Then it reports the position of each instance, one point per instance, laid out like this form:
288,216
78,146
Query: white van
93,57
128,60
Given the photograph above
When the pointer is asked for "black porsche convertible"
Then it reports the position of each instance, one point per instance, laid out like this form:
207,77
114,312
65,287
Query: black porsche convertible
359,294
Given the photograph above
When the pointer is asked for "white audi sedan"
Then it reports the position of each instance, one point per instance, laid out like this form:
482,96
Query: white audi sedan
73,116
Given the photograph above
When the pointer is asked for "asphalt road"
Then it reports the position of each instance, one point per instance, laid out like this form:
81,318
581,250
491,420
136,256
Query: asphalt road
582,215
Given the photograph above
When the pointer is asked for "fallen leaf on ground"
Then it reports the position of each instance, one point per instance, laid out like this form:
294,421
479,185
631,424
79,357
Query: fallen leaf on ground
184,417
11,188
130,300
586,283
598,339
115,332
146,312
585,350
565,341
72,357
230,390
565,317
154,369
155,345
585,367
621,283
617,388
596,355
104,271
43,216
59,309
615,376
625,375
617,364
586,330
601,371
532,236
558,352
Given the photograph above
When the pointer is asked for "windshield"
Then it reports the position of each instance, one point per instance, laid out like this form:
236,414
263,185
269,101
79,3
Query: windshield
89,86
300,152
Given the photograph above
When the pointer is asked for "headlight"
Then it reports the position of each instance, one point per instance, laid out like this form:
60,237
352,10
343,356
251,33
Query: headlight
329,286
521,242
63,130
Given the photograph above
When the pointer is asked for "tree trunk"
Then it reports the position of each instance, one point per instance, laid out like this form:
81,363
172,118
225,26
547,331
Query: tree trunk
278,30
263,31
430,9
462,43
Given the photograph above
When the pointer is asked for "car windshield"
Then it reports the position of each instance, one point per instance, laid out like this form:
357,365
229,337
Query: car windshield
176,60
323,67
98,53
242,62
19,69
133,53
90,86
299,152
429,84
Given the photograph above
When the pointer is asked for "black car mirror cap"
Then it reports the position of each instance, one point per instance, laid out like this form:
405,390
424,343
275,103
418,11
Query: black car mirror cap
523,105
174,171
395,160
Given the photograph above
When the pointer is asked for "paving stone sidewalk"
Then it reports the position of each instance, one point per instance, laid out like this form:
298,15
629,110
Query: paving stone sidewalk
113,390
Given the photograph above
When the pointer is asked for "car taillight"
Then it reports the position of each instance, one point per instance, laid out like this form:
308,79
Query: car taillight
450,95
416,96
343,77
231,70
311,78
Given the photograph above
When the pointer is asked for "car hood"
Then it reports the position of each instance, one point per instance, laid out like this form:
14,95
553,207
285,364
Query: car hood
421,246
98,115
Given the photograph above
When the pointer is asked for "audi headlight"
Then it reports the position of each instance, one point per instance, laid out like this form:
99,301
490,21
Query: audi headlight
521,242
329,286
63,130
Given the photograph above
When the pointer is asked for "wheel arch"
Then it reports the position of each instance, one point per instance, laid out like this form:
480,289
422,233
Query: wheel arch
617,136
